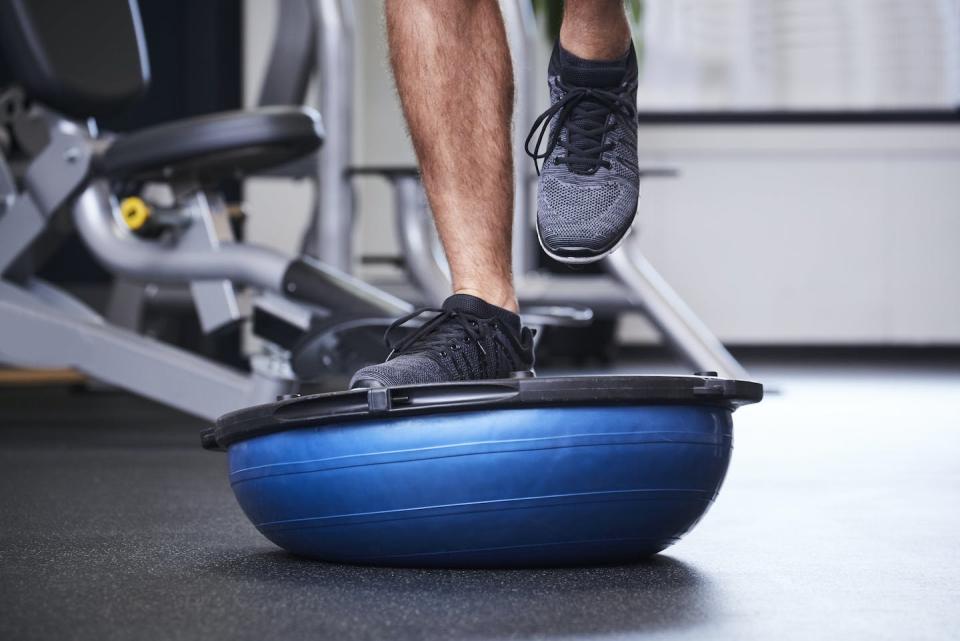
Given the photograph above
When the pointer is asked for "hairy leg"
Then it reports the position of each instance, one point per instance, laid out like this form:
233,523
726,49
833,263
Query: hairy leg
595,29
451,63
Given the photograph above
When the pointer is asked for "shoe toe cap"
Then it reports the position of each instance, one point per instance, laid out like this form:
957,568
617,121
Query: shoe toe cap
402,370
584,218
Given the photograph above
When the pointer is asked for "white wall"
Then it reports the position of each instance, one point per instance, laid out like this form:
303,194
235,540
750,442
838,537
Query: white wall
810,234
774,234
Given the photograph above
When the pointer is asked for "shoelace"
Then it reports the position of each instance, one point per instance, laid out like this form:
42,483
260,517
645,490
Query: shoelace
586,124
428,336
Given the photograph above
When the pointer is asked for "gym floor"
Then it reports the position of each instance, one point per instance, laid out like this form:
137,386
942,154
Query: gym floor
839,520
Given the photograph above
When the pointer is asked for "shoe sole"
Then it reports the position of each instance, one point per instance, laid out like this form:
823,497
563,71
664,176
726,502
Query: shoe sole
585,260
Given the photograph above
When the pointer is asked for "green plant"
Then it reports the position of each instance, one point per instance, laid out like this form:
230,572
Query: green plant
552,15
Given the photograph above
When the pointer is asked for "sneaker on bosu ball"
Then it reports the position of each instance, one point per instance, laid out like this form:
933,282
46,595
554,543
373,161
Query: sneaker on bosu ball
467,339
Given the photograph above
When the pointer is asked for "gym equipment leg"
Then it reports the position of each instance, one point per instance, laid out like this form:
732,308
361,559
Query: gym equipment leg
42,335
671,315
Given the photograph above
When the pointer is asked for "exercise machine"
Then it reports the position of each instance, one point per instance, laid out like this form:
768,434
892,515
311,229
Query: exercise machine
59,173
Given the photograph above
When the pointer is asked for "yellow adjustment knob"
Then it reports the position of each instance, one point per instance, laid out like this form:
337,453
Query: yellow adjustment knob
135,212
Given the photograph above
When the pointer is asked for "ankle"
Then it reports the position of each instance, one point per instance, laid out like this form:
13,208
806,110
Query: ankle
505,299
608,46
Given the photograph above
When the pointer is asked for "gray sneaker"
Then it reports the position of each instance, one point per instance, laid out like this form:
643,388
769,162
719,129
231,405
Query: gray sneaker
589,181
467,339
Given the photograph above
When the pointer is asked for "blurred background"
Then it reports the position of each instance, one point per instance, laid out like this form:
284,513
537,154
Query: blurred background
816,145
818,154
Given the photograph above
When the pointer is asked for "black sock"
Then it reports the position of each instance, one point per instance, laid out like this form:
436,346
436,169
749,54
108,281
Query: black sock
483,309
592,73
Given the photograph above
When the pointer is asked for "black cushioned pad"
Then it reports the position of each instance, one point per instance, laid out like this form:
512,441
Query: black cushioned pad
215,146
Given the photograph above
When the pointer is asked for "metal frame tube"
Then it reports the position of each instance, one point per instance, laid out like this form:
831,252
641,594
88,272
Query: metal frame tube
215,300
94,214
50,179
38,334
521,27
414,230
670,314
330,237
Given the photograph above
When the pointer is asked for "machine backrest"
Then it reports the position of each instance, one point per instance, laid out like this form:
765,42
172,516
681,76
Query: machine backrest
294,54
84,58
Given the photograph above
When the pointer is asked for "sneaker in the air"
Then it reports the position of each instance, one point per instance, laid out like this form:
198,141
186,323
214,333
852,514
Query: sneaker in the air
589,181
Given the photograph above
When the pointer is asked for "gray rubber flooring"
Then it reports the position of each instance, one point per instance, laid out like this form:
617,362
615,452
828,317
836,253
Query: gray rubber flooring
840,519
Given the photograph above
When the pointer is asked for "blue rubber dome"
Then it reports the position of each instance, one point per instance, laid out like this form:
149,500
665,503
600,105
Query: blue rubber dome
565,471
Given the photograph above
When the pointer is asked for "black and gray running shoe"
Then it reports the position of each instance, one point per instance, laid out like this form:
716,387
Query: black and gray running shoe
467,339
589,181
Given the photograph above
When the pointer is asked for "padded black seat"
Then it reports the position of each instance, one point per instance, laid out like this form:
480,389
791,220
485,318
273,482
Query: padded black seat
214,146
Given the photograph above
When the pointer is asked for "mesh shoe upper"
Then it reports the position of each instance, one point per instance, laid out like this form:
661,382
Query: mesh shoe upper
589,181
466,339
